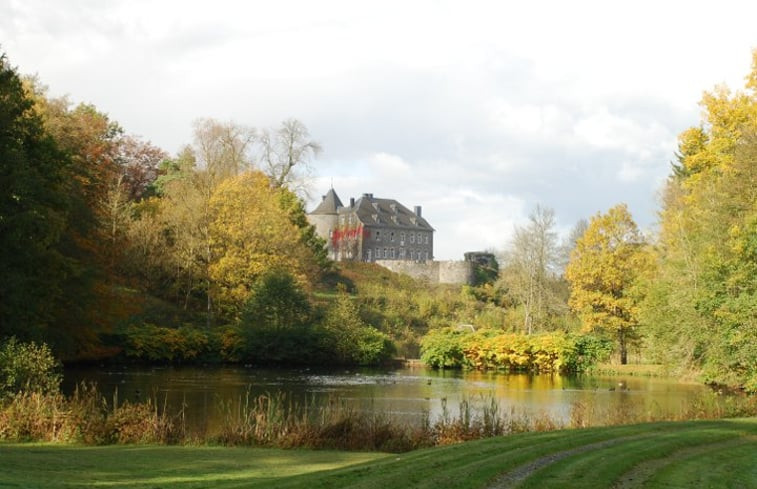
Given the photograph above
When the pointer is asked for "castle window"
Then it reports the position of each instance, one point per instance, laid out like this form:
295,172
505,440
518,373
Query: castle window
427,239
402,253
391,237
368,255
412,237
391,251
402,239
378,235
378,253
386,253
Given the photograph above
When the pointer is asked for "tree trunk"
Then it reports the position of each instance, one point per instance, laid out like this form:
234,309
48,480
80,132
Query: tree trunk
623,347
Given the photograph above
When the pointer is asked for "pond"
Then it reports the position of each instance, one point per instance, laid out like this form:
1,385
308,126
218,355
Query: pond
407,394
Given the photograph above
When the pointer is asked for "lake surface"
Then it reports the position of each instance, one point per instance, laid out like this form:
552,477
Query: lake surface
407,394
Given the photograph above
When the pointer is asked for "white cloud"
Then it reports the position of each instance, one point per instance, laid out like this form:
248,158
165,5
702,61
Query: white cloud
477,110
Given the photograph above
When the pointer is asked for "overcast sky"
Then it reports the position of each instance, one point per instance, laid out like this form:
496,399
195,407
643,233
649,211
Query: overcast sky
477,111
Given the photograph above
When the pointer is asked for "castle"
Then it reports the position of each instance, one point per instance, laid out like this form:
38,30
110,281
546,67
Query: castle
386,232
371,229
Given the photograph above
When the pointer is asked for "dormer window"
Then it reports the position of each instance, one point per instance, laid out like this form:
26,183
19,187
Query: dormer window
393,207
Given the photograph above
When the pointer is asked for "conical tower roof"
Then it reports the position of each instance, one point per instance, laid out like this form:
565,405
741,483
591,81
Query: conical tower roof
329,204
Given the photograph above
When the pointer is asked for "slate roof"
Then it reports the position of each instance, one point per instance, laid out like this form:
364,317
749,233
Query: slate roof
385,212
329,205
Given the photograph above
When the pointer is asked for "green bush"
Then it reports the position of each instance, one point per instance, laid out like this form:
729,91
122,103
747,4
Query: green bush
27,367
443,348
349,339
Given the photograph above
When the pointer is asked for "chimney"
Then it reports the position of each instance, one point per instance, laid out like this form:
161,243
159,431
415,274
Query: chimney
418,210
323,197
352,202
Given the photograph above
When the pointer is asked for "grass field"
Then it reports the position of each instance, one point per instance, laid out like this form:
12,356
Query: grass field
712,454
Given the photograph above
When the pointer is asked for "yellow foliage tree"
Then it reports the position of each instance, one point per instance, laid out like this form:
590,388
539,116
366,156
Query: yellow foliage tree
603,271
251,234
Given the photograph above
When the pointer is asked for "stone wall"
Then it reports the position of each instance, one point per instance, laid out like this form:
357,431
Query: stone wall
435,272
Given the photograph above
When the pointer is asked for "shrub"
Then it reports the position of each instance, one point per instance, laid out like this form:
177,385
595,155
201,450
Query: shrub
27,367
487,349
349,339
164,344
443,348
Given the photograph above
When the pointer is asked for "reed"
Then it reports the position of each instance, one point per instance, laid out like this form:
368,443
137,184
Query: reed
276,420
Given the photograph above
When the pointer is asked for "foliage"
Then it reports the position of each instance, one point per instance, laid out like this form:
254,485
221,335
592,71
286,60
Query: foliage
700,306
27,367
275,321
530,272
604,270
443,348
148,342
486,349
34,214
251,235
350,339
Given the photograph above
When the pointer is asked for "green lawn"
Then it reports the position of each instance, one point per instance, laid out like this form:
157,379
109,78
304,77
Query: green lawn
692,454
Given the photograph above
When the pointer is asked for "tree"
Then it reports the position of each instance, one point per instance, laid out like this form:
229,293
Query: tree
222,149
286,153
531,265
604,270
34,211
252,234
275,319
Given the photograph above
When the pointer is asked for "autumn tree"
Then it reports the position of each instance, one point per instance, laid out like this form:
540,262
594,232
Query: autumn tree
252,234
530,268
700,307
285,154
222,148
603,272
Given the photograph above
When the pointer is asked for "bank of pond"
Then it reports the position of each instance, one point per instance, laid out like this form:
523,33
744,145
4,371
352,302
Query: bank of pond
716,454
392,410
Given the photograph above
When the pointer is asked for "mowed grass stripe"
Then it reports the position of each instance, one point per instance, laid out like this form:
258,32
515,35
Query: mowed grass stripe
732,468
606,466
642,473
471,465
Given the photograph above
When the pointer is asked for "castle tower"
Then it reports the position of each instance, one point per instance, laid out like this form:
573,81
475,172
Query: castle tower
324,219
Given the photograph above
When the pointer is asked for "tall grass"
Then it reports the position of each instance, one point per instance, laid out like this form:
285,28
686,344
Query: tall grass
86,417
276,420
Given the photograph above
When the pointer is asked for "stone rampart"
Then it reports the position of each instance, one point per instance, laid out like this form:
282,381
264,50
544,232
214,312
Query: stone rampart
435,272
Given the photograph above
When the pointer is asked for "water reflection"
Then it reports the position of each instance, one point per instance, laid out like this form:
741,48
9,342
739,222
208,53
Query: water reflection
409,394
